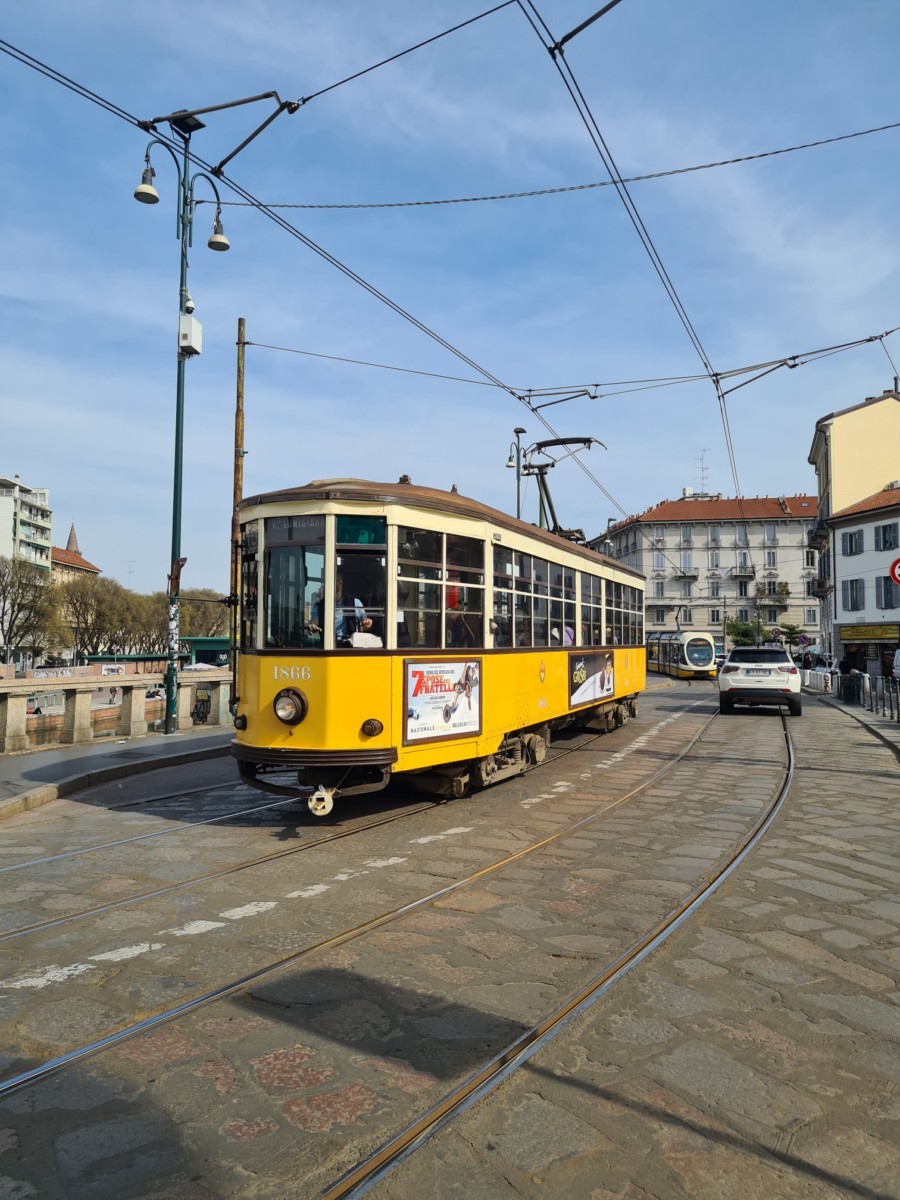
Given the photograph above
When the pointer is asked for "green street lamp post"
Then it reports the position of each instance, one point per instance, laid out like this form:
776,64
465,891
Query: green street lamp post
189,345
183,123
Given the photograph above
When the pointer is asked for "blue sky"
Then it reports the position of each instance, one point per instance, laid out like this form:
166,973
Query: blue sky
770,258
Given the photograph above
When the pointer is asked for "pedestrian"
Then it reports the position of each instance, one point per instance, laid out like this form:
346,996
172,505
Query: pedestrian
113,692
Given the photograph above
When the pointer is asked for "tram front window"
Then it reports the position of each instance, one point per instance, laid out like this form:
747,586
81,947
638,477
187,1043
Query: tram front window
699,652
294,574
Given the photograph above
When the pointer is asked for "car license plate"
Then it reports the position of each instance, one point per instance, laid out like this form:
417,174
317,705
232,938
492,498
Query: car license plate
754,671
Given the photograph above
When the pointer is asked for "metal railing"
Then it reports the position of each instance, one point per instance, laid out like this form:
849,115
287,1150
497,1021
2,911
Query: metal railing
875,693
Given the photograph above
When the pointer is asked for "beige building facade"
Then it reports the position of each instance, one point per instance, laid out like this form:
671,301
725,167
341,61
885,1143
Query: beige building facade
709,558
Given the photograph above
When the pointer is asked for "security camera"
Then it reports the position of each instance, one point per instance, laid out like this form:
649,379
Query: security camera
188,302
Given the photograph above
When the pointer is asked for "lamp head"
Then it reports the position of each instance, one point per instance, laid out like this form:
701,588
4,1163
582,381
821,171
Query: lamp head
511,461
218,240
145,191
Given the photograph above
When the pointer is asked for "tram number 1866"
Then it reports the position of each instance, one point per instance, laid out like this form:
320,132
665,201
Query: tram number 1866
280,672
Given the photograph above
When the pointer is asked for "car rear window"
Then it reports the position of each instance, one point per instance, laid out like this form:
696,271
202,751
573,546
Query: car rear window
752,655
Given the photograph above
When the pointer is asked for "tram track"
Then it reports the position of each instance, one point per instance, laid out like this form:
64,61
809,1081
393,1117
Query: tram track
61,1062
376,1166
345,830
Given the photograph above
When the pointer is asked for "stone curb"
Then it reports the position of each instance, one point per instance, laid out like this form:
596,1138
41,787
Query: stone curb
45,793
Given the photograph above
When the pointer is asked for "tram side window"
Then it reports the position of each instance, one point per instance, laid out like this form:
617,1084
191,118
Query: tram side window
419,566
464,592
541,622
502,628
294,566
591,610
624,614
562,605
522,610
249,584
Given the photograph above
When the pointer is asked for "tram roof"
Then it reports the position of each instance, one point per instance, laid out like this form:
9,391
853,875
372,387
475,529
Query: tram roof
416,496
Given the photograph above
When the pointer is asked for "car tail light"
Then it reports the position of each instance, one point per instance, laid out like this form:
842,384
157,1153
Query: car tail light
726,670
789,670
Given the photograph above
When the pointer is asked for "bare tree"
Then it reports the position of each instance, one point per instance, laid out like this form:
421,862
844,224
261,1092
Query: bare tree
26,604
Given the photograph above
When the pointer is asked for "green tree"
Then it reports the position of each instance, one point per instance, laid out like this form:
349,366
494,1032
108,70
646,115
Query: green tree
744,633
791,634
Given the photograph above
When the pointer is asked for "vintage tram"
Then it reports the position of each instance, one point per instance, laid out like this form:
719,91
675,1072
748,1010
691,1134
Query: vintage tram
684,654
393,628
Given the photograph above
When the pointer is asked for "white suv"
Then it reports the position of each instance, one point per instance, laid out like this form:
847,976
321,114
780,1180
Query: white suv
759,675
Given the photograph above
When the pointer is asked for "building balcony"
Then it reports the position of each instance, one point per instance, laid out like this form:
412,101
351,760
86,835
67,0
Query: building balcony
686,572
821,588
818,535
743,571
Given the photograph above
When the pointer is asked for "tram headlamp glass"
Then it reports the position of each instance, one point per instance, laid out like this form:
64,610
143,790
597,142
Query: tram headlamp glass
291,706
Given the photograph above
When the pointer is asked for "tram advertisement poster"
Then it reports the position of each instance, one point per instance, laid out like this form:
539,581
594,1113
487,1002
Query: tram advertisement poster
590,677
443,699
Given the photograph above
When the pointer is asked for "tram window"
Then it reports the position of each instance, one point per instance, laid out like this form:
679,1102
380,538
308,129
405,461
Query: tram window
418,545
502,624
363,579
541,576
503,567
360,531
541,624
523,572
522,626
249,584
293,582
465,554
419,612
465,613
591,610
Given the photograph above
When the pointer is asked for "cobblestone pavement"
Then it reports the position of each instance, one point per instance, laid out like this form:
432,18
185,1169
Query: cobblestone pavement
754,1055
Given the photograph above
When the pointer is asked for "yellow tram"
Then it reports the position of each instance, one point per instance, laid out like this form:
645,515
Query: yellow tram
392,628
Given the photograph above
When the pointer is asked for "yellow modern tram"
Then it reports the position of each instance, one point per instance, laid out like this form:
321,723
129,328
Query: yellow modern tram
392,628
684,654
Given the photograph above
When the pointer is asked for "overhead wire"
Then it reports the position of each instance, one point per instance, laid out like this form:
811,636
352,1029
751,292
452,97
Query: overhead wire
489,379
599,183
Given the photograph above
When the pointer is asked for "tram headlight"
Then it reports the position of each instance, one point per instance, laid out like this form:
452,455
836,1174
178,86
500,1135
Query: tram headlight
291,706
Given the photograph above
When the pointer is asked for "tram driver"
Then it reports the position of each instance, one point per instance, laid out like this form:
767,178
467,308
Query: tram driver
349,614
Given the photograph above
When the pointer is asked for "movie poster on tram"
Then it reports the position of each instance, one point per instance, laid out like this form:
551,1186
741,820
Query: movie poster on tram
443,699
590,677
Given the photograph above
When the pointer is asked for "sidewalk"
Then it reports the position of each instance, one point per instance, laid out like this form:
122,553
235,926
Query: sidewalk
886,728
39,776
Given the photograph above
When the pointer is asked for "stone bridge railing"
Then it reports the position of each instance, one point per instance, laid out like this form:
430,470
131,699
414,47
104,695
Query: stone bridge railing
131,717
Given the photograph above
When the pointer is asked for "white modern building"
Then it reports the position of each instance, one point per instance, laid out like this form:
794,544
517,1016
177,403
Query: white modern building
866,562
709,558
26,522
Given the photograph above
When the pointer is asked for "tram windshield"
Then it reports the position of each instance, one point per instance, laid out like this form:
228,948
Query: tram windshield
699,652
294,575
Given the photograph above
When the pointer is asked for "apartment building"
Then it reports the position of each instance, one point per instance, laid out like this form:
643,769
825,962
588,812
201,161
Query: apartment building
856,455
26,522
866,558
709,558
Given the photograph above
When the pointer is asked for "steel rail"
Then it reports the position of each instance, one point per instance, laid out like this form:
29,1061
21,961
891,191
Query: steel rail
365,1175
15,1083
168,889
